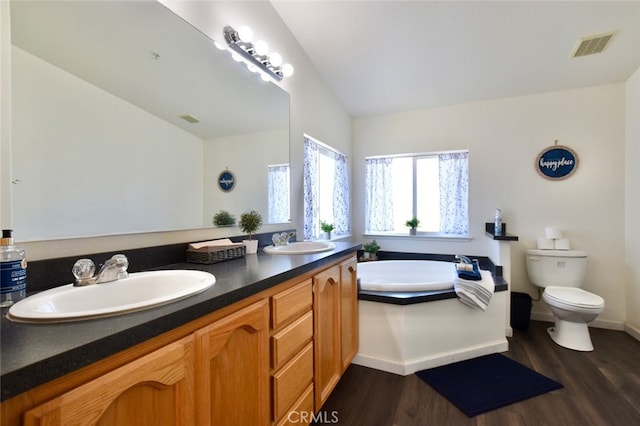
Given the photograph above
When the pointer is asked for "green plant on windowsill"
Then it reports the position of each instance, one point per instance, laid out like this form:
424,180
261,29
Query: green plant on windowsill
370,249
327,228
413,224
224,218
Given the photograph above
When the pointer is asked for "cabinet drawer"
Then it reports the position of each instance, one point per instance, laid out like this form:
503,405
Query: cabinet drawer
288,303
302,411
290,339
292,380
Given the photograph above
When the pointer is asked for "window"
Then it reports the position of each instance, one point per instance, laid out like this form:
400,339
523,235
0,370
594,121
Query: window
326,189
278,193
431,187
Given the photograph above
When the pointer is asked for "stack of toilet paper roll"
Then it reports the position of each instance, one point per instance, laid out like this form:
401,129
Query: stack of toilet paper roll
553,240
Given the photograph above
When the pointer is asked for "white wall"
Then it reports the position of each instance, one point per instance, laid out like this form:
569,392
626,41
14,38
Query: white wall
504,136
632,198
232,152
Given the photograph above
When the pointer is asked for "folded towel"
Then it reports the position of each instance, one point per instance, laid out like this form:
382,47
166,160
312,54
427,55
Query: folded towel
213,245
468,271
475,293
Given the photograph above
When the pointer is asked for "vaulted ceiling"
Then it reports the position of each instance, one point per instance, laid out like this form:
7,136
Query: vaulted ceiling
380,57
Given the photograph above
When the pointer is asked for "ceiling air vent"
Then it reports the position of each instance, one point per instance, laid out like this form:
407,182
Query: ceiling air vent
190,118
590,45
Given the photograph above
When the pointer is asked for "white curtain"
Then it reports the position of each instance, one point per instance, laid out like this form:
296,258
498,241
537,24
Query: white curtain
454,193
379,195
310,189
278,193
341,206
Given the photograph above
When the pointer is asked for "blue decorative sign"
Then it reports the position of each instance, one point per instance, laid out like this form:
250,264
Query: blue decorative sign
226,181
557,162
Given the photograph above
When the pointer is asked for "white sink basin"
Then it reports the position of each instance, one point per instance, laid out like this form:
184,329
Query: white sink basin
301,247
138,291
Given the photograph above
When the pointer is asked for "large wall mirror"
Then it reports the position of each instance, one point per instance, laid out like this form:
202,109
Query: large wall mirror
123,118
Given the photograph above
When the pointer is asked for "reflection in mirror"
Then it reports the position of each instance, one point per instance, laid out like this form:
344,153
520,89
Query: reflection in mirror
124,116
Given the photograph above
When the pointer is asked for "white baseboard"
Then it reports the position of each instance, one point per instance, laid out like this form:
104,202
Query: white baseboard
405,368
632,330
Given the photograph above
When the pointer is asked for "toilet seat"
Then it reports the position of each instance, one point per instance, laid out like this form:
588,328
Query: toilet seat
573,298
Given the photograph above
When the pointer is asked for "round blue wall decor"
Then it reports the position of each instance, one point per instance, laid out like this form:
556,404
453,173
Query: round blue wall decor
557,162
226,181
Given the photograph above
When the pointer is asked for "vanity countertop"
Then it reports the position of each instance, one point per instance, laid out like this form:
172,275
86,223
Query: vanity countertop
33,354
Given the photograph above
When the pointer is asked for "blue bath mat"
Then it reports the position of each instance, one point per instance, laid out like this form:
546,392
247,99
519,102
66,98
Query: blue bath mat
483,384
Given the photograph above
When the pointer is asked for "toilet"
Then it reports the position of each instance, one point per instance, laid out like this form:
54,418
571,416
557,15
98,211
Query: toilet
561,273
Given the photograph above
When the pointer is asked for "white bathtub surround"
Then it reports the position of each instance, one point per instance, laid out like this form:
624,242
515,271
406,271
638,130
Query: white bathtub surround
403,339
475,294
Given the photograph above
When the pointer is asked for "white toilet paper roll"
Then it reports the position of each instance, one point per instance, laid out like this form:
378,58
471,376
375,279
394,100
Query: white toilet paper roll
562,244
552,233
545,244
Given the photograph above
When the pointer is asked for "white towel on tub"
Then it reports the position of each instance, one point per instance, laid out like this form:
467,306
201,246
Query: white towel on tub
475,294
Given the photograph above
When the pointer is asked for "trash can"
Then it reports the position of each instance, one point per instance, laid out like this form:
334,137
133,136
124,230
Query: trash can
520,310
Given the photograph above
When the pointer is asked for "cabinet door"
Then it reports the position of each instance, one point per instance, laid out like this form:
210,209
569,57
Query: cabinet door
326,332
348,311
156,389
232,369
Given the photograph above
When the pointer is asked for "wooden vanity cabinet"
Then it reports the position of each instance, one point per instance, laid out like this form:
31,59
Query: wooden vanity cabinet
232,369
156,389
326,332
292,352
272,358
348,311
335,313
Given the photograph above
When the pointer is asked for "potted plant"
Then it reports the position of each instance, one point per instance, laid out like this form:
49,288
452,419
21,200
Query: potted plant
249,223
413,224
326,228
224,218
370,249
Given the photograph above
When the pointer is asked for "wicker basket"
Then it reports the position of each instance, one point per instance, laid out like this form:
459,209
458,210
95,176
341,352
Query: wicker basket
218,255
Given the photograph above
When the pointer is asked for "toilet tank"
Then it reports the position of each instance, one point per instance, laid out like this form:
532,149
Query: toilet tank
565,268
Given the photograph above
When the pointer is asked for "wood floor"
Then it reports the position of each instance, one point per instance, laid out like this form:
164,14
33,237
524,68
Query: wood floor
601,388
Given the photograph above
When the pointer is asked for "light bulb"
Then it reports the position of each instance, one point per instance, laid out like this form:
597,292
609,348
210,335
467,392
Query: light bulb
252,68
220,45
287,70
245,34
261,47
236,57
275,59
265,77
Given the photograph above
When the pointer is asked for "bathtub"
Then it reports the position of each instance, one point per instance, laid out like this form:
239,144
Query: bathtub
406,275
408,337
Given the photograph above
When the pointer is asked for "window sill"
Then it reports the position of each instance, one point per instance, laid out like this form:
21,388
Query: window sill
420,236
334,238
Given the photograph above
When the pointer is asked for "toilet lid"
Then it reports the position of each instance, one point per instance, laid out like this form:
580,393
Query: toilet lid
574,296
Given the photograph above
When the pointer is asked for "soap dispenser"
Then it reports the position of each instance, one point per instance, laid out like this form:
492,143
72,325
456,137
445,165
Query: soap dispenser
497,223
13,271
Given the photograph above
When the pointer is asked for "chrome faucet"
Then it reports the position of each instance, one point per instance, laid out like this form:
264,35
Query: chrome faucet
464,259
282,239
113,269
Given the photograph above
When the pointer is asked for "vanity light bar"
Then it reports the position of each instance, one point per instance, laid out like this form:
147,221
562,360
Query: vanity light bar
254,55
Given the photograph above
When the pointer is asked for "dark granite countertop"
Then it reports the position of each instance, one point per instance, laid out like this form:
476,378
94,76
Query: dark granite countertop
34,354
